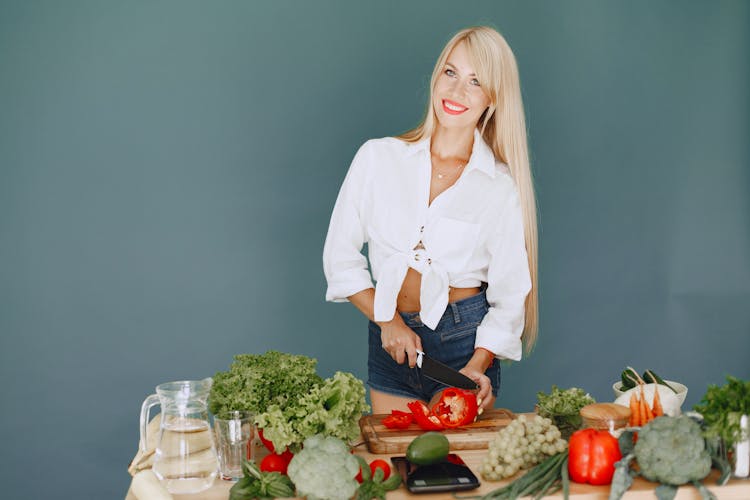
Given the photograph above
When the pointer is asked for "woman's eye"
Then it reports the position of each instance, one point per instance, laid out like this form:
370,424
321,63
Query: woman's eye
474,81
450,72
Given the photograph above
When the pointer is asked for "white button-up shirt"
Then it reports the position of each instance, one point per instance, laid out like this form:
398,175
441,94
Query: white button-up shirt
471,233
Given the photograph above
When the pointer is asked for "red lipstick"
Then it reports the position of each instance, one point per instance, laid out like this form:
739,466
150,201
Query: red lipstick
454,109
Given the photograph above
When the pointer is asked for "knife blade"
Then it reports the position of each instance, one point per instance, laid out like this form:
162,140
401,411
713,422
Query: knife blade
442,373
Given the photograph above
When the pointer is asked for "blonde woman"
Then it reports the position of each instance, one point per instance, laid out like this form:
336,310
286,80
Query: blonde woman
448,213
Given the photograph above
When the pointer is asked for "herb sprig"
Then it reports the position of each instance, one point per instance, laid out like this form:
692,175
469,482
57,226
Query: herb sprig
722,407
562,406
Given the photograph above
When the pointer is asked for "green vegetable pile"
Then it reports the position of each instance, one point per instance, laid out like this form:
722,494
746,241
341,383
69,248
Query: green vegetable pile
332,409
670,451
255,381
324,469
562,407
290,400
722,407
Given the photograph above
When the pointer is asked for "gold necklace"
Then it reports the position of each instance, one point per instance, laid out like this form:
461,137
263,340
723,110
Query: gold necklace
457,169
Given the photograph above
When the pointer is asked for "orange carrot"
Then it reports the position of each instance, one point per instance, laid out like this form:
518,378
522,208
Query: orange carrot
643,406
658,410
649,414
634,412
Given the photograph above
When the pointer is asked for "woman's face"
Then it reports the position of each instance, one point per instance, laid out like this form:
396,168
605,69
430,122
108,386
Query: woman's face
458,97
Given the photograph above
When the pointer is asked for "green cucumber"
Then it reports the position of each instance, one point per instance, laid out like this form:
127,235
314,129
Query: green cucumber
652,378
629,378
428,448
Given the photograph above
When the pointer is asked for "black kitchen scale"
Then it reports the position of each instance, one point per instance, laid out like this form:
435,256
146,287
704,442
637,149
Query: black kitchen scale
452,474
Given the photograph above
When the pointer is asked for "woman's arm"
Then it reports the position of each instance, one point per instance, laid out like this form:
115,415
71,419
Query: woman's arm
397,339
344,265
508,284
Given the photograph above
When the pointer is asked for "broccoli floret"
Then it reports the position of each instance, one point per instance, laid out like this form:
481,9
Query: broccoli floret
671,450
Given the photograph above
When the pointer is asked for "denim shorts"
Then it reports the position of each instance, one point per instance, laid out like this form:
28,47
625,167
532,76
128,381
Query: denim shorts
452,343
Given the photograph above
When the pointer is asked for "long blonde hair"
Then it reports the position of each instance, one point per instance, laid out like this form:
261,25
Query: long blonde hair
503,127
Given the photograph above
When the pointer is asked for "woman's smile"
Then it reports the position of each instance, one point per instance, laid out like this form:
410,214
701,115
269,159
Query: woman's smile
453,108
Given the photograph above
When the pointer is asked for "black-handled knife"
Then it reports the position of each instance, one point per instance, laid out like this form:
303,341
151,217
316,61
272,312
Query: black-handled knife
444,374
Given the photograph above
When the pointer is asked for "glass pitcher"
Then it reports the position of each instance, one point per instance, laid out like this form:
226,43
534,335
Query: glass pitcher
185,458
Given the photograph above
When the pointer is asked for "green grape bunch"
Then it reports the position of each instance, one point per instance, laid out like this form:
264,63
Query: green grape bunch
521,445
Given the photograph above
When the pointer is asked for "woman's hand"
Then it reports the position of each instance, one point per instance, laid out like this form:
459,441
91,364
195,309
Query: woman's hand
400,341
474,369
485,386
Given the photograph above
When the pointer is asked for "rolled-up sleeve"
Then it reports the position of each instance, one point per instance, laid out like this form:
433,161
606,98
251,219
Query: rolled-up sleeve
508,284
344,265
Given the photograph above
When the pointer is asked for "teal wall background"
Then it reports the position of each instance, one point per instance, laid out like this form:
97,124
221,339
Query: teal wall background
167,169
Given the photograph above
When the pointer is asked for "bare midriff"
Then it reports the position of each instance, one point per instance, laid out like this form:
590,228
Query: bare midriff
408,296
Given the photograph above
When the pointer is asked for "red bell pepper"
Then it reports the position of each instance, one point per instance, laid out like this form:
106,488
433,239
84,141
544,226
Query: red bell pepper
591,456
456,407
426,420
398,419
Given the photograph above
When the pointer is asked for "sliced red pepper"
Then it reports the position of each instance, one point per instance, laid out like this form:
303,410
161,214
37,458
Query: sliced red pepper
424,418
398,419
456,407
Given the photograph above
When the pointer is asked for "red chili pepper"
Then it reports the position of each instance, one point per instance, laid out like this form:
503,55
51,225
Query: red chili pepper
456,407
398,419
591,456
424,417
268,444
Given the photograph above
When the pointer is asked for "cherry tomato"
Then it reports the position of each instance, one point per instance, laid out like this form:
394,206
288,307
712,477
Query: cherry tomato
380,464
274,463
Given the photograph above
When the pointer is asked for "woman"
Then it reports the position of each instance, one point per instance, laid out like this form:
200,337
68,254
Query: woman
449,216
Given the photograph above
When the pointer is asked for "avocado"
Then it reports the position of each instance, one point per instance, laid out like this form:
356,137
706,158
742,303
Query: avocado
428,448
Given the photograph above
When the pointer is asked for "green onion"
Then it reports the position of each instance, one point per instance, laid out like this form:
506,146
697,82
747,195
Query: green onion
538,481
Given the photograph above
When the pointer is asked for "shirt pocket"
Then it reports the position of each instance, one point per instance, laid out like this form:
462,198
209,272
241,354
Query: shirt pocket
452,242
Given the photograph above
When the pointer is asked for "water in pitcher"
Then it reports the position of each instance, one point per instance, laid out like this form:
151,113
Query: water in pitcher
185,459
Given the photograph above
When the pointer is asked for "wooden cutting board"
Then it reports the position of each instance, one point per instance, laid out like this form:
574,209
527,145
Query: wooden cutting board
475,436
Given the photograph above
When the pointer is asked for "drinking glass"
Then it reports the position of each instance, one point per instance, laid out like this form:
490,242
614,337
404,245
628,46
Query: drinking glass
234,433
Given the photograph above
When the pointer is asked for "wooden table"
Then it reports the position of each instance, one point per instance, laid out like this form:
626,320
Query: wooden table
736,489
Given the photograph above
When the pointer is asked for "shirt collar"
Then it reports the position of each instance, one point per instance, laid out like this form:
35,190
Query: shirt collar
482,157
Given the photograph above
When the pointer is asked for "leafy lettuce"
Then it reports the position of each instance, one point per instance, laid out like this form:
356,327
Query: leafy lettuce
290,401
255,382
332,409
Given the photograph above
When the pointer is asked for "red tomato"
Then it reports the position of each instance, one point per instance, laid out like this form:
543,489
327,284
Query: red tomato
398,419
456,407
591,456
424,417
274,463
380,464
